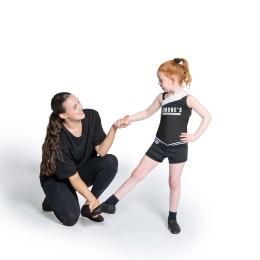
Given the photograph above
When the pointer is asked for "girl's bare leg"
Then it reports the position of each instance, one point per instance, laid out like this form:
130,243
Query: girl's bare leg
175,183
145,166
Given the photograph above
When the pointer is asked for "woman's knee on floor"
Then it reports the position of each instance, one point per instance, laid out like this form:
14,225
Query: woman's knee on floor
70,219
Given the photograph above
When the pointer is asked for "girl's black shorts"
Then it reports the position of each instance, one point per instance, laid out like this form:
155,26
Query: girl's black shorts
176,154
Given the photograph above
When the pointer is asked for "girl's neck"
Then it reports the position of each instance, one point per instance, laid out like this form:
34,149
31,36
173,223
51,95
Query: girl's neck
175,90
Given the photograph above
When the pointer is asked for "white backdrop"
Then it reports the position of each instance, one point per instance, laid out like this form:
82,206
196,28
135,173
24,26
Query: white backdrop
107,54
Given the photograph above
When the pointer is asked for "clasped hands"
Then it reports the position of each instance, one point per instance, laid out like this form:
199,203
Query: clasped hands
123,122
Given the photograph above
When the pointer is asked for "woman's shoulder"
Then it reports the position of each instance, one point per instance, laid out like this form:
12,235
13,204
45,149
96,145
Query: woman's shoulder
90,111
91,115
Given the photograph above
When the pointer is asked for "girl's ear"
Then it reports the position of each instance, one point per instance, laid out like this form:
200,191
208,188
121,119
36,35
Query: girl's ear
174,80
63,116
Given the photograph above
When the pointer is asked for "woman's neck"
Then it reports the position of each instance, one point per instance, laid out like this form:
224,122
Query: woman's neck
75,127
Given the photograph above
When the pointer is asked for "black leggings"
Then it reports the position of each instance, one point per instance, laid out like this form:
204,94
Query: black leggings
98,172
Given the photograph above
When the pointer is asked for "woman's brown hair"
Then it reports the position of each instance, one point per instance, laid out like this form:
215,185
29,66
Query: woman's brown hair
51,147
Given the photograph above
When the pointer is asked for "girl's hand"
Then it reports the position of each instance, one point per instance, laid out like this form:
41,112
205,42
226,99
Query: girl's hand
185,137
93,204
123,122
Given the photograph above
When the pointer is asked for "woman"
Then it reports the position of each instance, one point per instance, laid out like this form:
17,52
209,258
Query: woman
70,161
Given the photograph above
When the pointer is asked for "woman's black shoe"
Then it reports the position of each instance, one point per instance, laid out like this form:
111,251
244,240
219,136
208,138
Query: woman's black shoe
174,227
85,212
46,205
104,208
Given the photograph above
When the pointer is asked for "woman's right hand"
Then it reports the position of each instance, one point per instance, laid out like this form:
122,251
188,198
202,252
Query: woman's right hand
93,203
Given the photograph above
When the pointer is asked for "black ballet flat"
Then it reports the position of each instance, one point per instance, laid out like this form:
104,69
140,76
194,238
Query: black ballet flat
99,218
104,208
85,212
46,205
174,227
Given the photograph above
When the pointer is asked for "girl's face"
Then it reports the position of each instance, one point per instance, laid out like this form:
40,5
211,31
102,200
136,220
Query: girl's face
73,109
165,82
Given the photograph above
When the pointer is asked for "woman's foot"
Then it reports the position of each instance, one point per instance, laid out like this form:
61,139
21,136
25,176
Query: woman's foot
46,205
85,212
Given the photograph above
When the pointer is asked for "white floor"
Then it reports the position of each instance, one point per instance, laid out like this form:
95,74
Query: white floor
214,226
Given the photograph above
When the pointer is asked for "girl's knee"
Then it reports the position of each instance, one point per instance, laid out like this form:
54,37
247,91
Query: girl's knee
137,176
174,184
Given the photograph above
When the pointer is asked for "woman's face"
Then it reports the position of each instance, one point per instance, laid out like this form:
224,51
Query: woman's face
73,109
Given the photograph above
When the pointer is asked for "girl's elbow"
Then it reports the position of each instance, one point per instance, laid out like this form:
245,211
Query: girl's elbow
209,117
206,118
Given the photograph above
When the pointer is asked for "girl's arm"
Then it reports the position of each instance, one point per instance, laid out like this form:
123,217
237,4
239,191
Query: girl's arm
147,112
82,188
103,148
193,103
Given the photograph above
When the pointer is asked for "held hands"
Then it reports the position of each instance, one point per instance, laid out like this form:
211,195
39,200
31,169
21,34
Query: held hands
123,122
185,137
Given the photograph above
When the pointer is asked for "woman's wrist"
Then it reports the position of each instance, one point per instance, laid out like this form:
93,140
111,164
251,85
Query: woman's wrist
114,126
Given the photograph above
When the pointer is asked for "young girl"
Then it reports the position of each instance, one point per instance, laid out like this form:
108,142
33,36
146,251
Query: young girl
171,139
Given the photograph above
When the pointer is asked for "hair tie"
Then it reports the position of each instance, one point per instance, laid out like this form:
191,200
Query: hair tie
177,60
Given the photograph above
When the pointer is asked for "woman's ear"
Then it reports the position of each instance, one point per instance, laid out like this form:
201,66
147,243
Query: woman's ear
63,115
